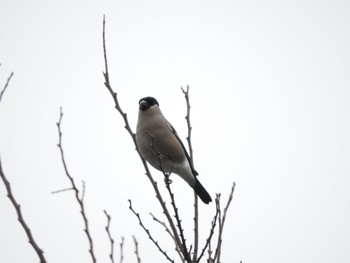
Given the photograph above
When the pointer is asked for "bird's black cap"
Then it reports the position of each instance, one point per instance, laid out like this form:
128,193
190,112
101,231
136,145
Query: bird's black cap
150,100
147,102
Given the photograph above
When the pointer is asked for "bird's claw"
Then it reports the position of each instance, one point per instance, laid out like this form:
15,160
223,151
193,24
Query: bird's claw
158,156
167,180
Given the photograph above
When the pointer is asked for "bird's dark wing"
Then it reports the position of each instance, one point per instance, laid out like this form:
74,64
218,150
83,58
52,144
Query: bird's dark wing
194,172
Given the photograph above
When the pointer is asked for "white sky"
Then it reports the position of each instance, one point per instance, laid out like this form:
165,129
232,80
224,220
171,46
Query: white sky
270,90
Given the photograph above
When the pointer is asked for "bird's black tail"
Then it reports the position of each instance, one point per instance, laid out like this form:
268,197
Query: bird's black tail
201,192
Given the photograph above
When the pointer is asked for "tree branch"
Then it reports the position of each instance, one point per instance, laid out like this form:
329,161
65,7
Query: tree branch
7,83
79,200
188,138
127,127
17,207
137,250
183,247
177,248
109,236
213,224
222,223
179,240
149,234
188,121
121,245
181,244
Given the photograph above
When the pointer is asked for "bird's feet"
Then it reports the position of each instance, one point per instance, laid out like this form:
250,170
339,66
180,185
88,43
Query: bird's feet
167,180
158,156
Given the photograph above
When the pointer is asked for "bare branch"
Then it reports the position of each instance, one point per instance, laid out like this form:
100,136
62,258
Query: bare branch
222,223
108,85
210,252
109,236
213,224
136,250
179,239
188,120
83,191
7,83
121,250
127,127
196,227
184,249
79,200
149,234
17,207
189,133
62,190
177,248
167,181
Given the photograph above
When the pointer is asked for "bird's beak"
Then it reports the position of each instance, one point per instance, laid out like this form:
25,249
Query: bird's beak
143,105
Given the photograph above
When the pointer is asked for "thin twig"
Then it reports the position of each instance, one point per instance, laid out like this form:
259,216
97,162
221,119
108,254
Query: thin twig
219,241
121,245
7,83
148,233
210,260
17,207
111,240
62,190
184,249
137,250
127,127
188,120
222,223
196,227
83,191
177,248
79,200
213,224
189,142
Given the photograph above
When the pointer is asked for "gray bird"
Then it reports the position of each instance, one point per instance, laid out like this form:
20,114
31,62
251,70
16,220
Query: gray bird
161,147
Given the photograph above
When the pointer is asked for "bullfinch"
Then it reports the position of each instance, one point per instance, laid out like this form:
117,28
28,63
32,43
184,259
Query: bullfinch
161,147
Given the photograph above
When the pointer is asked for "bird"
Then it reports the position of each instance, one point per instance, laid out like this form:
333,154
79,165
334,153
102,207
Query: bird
160,145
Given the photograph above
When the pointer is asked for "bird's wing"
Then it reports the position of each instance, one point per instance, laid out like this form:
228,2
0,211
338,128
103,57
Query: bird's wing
194,172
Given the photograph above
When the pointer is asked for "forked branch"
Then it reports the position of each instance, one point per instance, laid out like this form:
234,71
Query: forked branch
148,233
222,219
176,234
190,149
131,133
80,200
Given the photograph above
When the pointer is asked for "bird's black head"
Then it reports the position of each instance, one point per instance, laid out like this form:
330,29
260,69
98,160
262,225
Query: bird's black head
147,102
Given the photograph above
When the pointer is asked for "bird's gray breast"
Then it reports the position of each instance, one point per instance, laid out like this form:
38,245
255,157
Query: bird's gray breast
158,145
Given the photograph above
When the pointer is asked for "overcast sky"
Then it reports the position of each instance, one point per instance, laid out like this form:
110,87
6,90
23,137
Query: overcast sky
270,95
